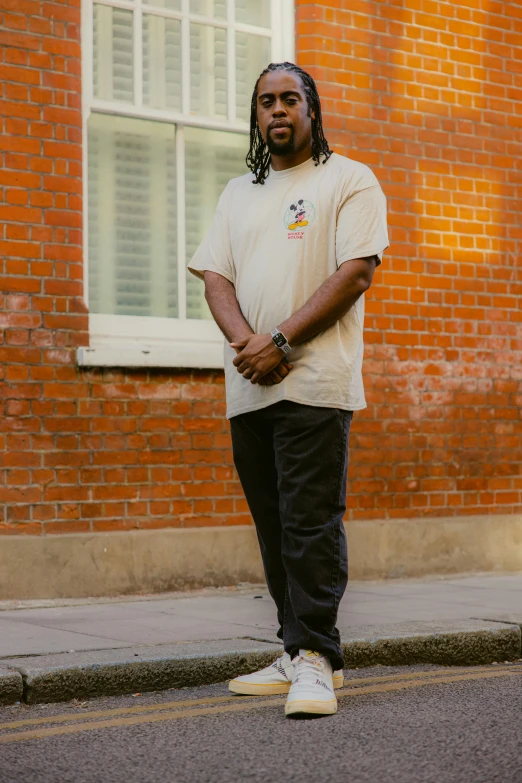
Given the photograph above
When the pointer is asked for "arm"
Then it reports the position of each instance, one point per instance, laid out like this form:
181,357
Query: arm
257,354
331,301
222,301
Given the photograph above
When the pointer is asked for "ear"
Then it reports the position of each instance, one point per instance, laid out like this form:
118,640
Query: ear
312,115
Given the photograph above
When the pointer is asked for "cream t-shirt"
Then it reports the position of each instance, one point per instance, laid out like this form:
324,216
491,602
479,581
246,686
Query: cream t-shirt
277,243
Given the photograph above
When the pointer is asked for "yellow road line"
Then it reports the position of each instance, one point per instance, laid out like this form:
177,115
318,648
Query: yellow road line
243,707
399,686
117,711
211,700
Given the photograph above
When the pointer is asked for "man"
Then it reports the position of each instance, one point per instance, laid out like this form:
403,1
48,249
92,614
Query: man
285,264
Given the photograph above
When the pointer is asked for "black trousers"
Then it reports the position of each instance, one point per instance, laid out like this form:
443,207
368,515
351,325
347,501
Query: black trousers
292,461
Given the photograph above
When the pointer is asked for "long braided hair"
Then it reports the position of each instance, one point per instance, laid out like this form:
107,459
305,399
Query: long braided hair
258,157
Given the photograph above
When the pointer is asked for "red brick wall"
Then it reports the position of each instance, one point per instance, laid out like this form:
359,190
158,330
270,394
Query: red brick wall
426,94
429,94
81,450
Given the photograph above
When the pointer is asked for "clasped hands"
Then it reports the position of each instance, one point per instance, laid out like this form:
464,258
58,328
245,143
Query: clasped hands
259,360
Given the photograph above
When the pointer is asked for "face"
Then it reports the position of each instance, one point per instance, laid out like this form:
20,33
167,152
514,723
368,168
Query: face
283,115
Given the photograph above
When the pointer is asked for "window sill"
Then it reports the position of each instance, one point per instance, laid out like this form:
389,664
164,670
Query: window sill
135,341
202,357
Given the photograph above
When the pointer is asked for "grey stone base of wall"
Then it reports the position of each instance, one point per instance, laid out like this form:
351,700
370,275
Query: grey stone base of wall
108,564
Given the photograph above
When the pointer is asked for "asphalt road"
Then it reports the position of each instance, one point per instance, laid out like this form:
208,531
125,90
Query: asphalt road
409,725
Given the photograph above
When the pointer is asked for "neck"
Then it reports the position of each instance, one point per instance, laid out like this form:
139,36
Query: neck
281,162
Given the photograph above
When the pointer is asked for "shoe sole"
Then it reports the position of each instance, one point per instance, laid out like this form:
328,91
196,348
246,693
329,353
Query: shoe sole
311,707
253,689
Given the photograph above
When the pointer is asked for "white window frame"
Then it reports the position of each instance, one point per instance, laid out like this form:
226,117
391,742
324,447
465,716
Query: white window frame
141,341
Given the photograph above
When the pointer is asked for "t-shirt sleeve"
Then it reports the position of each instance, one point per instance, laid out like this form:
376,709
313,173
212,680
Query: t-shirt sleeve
361,224
214,254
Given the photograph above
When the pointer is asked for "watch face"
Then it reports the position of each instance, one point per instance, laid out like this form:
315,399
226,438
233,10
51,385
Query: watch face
279,340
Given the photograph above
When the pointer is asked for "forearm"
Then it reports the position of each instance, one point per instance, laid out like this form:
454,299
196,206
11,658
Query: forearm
222,301
330,302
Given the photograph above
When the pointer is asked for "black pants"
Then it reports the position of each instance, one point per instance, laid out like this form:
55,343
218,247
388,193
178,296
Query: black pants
292,461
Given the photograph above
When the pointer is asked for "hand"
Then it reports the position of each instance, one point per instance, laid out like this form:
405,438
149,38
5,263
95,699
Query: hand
277,375
257,356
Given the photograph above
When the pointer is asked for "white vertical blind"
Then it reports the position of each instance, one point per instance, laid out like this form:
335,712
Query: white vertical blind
113,66
252,57
208,71
190,57
170,5
173,63
212,158
101,223
161,62
132,217
215,8
256,12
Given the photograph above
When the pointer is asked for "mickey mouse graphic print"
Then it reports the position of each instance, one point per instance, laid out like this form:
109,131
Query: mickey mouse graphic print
333,212
299,214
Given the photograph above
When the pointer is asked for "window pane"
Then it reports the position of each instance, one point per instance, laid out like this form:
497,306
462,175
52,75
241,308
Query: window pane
215,8
252,57
113,54
132,217
208,71
253,12
211,159
161,62
172,5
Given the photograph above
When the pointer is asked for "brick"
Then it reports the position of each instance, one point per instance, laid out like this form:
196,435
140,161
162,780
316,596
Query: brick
19,40
13,73
54,45
20,214
15,21
55,149
22,284
435,111
20,494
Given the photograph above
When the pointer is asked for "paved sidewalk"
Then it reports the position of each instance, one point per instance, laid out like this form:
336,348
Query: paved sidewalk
61,626
60,650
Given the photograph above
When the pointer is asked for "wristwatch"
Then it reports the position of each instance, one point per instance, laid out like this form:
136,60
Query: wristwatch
280,340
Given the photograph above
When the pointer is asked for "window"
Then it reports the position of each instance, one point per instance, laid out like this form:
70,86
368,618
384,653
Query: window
166,110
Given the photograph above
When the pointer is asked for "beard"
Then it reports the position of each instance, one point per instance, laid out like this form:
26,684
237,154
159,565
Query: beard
281,148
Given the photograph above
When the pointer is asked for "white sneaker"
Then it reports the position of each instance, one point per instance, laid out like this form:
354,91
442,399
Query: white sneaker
274,679
312,689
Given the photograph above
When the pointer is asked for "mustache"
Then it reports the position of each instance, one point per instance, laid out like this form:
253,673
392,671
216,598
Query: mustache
279,124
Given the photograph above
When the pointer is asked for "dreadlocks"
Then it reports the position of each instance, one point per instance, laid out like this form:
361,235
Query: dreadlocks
258,157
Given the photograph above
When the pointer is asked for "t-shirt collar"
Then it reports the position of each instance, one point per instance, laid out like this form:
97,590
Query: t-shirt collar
308,164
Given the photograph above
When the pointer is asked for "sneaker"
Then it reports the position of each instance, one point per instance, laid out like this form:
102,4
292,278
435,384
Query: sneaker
312,689
272,680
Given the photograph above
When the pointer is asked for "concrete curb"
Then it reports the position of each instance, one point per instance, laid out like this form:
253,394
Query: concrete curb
11,686
64,676
452,643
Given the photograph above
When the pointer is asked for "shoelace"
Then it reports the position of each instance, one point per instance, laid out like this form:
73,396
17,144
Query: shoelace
307,670
279,666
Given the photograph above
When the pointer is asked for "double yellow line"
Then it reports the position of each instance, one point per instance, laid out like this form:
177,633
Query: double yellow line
177,710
